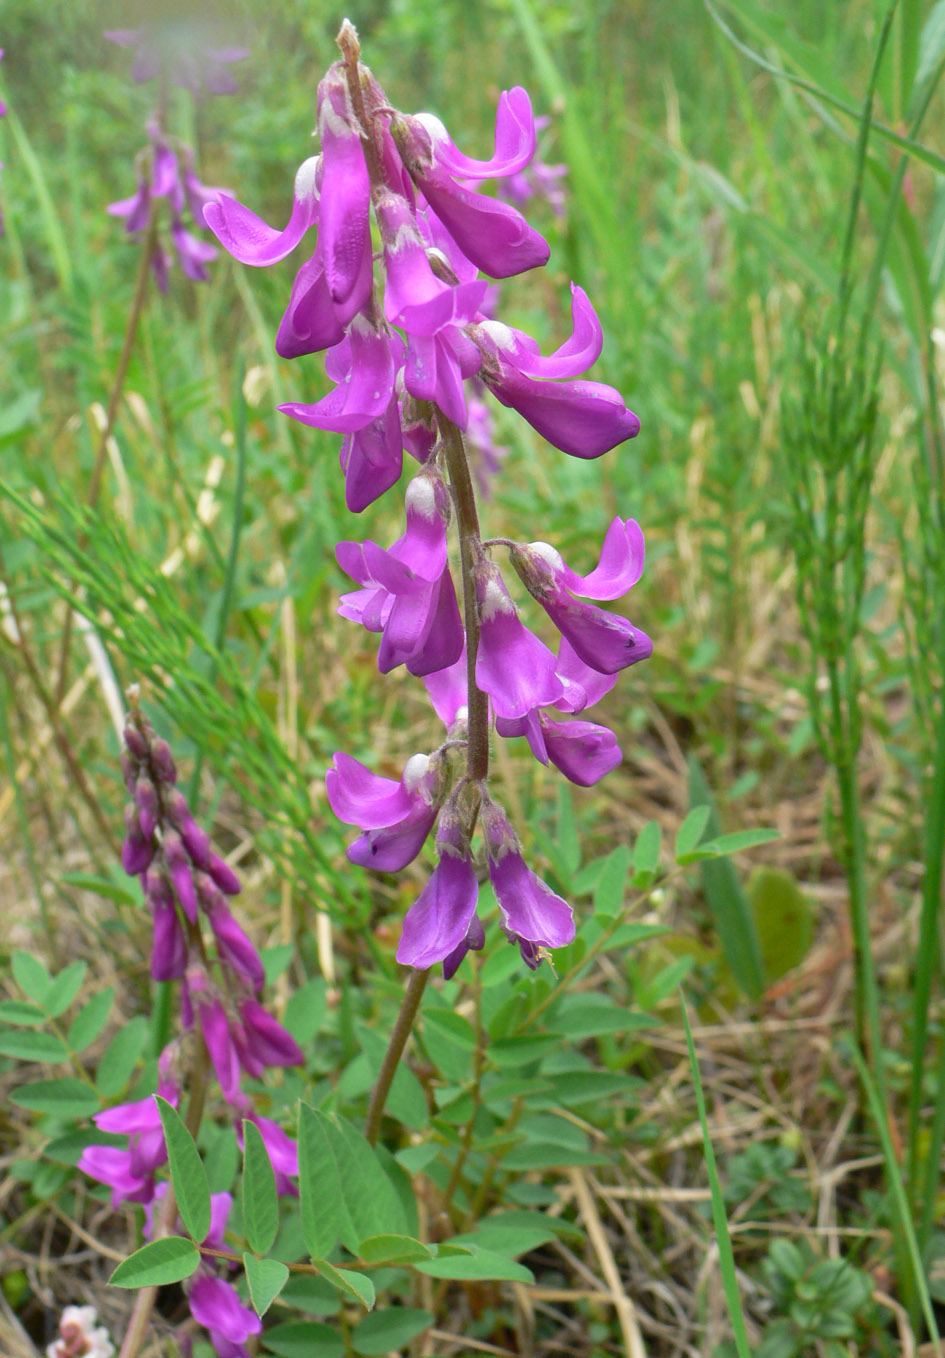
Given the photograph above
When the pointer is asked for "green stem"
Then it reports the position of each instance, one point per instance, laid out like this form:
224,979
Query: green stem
111,414
229,579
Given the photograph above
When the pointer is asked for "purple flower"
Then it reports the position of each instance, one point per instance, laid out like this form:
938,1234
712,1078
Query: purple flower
584,419
494,235
363,366
193,255
169,951
137,848
474,941
215,1028
283,1152
130,1173
233,945
262,1041
513,667
602,640
344,229
583,751
431,312
181,54
395,817
438,923
408,592
248,238
112,1166
215,1305
532,915
180,871
159,176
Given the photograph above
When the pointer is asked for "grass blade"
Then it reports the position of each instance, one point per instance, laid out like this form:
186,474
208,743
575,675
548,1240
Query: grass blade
723,1239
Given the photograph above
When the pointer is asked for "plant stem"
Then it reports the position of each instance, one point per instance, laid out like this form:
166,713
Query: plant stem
398,1040
111,413
470,548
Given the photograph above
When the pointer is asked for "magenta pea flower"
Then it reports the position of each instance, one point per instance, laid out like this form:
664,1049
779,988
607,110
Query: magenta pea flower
532,915
513,667
233,944
180,53
283,1152
602,640
408,593
584,419
583,751
215,1304
363,366
432,313
438,923
395,818
493,234
248,238
344,227
261,1040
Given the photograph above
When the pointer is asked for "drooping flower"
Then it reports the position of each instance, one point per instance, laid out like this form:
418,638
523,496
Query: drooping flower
493,234
532,914
215,1304
513,667
407,590
395,818
159,177
603,640
584,419
439,921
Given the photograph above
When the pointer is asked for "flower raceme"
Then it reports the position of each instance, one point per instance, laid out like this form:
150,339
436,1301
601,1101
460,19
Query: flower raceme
197,940
165,169
435,232
414,351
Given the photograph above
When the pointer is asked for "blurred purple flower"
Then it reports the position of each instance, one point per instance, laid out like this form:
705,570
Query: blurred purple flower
181,53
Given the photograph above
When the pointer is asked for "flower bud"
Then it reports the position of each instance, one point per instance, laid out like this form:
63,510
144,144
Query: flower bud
162,762
146,801
224,876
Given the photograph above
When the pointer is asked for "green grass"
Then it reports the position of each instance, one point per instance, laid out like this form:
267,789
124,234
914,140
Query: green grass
712,154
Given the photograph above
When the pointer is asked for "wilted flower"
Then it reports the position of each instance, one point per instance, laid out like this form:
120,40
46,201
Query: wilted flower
79,1337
